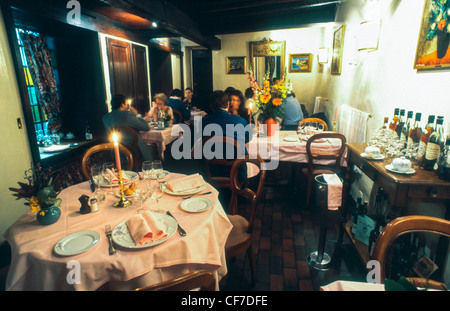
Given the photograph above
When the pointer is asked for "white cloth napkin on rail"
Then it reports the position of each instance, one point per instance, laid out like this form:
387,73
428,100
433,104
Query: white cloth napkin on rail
334,191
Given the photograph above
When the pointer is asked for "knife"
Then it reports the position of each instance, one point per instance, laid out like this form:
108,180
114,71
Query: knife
180,230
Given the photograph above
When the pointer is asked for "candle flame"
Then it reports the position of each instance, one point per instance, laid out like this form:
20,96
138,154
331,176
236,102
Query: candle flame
115,137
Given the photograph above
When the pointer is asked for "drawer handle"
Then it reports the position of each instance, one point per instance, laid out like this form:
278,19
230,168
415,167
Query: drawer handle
434,193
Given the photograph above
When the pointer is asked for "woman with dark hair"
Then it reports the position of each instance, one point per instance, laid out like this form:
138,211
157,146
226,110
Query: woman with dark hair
237,105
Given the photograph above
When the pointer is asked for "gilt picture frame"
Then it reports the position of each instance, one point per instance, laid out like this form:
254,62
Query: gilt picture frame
237,65
338,48
434,37
300,63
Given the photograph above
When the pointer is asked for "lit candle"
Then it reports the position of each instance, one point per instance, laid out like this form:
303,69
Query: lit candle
115,139
335,115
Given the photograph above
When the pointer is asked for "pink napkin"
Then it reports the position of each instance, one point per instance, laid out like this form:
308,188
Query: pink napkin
186,183
334,191
115,178
144,228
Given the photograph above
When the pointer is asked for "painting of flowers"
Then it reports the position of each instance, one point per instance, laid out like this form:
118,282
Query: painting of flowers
434,37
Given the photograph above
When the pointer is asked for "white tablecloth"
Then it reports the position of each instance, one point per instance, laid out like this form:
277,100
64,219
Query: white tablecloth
161,138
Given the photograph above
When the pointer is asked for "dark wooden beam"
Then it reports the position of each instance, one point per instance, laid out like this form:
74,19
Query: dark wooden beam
168,17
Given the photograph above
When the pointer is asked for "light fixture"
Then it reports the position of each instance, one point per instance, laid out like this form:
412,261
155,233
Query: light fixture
323,55
368,35
155,25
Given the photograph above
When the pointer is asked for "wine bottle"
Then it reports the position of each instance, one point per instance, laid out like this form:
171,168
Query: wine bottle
429,128
355,214
88,132
442,166
405,129
416,131
394,121
434,145
401,123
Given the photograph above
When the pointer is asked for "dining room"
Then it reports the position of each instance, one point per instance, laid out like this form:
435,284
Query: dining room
266,146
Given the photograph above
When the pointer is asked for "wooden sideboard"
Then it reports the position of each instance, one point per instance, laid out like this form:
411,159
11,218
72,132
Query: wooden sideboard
423,186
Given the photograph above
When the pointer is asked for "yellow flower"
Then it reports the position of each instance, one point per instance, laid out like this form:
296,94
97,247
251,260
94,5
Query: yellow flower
34,205
276,101
265,98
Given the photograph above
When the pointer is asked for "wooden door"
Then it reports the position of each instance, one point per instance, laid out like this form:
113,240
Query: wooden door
161,71
120,67
202,77
140,78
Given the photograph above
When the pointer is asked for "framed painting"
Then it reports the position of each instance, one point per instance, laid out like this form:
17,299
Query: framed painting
434,36
300,62
237,65
338,47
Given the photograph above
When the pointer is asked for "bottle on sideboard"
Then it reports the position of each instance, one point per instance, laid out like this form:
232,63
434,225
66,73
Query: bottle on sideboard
442,166
405,129
88,132
416,131
429,128
401,123
378,218
394,121
434,145
355,214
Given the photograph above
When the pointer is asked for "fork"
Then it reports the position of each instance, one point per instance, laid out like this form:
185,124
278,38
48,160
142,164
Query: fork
185,198
108,233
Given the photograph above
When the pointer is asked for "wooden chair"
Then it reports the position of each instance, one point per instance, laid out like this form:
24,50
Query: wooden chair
198,279
404,225
133,147
240,238
94,154
325,126
316,169
180,117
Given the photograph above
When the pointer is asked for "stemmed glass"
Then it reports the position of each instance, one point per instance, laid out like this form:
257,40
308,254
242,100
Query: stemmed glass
142,194
320,128
157,192
157,168
96,174
109,166
146,171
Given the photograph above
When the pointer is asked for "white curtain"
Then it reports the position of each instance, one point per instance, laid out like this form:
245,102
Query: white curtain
352,123
319,104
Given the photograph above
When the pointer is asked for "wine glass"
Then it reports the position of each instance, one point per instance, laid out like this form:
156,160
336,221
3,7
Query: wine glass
107,169
141,194
320,128
157,168
314,127
97,174
157,192
146,171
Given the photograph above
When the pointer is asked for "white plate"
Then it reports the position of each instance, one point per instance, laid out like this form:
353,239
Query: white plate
377,158
55,148
290,139
165,189
133,176
77,243
196,205
391,169
164,174
122,237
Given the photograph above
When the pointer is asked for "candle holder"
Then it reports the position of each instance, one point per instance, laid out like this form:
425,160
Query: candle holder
123,202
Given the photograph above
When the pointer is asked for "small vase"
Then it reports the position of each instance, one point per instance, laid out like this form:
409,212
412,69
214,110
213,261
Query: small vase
443,41
48,215
271,126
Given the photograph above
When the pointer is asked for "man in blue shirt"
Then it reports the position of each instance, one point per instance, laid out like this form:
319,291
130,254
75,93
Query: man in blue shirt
176,104
292,113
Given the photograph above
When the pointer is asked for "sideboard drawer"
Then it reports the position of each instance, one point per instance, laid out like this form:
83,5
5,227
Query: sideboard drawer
429,192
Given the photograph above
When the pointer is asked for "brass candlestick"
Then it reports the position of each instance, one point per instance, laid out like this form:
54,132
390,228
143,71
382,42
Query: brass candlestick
123,202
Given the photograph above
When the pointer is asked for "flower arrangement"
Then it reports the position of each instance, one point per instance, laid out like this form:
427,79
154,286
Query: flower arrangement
269,97
38,191
439,18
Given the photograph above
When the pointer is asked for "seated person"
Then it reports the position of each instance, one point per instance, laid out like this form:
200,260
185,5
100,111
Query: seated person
189,99
221,117
124,115
176,104
292,113
160,105
237,105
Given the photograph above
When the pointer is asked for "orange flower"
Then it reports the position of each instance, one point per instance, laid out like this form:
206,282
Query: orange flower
276,101
265,98
442,24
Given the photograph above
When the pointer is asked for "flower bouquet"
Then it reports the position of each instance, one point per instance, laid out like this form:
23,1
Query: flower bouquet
39,194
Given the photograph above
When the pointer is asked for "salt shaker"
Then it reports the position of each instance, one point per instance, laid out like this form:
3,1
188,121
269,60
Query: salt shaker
94,205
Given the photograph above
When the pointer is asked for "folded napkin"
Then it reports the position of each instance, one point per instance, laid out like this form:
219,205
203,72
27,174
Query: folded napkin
144,228
334,191
186,183
115,178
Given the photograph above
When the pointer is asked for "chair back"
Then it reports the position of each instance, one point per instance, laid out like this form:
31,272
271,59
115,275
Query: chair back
97,153
239,188
404,225
198,279
325,126
177,116
133,147
336,156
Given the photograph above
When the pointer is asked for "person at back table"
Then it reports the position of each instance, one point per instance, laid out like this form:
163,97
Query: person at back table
292,113
123,115
176,104
160,104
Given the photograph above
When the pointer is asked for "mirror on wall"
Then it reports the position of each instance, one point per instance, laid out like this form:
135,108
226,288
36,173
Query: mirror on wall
267,57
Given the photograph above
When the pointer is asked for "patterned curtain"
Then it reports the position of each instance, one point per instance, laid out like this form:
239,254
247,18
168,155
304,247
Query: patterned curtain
40,66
